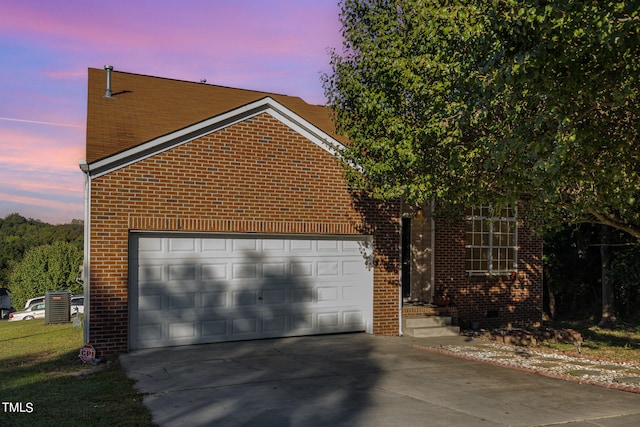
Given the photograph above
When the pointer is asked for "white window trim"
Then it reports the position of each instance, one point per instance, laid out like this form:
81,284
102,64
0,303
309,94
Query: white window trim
491,219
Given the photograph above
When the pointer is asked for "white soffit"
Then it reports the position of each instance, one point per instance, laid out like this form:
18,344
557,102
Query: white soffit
265,105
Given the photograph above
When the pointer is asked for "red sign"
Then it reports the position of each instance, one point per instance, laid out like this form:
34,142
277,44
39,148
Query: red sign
87,353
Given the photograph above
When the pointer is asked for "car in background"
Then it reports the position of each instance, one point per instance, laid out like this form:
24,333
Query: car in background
77,305
33,301
35,311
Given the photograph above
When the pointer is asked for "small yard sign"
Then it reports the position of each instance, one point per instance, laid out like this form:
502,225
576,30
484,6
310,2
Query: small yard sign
87,353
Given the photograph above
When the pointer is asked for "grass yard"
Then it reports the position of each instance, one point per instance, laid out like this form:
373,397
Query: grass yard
44,383
620,342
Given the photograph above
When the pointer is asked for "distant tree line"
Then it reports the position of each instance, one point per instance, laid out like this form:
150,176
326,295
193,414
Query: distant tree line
36,257
592,272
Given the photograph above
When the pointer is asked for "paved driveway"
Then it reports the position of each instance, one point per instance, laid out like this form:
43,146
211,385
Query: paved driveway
358,380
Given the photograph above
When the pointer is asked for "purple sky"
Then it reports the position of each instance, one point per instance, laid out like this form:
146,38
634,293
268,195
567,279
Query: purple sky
46,47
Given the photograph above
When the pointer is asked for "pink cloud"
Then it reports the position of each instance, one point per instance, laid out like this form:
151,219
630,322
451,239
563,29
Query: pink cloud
38,152
52,211
66,74
221,28
62,186
277,45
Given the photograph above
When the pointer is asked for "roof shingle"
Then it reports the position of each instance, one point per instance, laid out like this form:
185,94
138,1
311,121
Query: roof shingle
145,107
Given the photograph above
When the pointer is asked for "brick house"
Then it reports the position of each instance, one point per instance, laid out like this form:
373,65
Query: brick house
216,214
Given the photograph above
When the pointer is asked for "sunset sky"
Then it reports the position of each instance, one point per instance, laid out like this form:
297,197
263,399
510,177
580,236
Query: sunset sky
46,47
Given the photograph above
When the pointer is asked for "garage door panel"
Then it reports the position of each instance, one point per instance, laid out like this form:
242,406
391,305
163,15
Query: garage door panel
241,245
181,245
351,268
215,245
150,273
275,324
182,272
244,271
354,318
302,295
214,299
301,245
328,268
328,246
214,330
274,245
274,269
243,298
353,247
150,302
150,245
150,334
244,326
182,301
350,294
328,321
274,296
200,289
301,269
327,294
214,271
182,330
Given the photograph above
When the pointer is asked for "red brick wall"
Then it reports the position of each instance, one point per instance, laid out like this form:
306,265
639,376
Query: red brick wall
255,176
493,301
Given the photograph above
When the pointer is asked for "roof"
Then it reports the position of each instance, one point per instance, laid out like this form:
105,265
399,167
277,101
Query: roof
143,108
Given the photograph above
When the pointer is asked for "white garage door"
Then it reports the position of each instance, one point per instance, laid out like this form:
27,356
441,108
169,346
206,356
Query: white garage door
200,289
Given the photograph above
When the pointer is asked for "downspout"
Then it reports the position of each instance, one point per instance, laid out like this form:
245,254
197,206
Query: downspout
400,275
433,250
86,270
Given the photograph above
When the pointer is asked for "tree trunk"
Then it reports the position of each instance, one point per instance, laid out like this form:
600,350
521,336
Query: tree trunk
550,294
608,309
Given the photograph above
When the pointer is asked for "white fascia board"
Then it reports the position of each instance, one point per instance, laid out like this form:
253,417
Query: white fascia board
182,136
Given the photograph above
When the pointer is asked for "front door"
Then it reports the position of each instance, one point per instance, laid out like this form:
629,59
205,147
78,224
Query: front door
406,259
417,253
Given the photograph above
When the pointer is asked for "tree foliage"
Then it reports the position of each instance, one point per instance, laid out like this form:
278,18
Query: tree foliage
573,273
494,100
44,268
18,234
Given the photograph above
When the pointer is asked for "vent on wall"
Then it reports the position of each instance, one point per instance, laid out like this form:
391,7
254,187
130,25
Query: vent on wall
108,69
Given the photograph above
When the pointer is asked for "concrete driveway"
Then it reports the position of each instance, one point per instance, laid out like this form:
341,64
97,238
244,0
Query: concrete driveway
358,380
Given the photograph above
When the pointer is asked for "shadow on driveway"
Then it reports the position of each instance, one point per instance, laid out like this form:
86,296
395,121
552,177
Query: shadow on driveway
356,380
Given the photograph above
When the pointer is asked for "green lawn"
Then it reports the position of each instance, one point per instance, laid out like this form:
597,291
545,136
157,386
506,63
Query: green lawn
620,342
44,383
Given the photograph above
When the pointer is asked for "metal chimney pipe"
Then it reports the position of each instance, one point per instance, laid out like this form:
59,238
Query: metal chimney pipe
108,69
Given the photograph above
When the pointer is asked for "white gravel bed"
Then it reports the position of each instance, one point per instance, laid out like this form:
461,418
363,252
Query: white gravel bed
619,375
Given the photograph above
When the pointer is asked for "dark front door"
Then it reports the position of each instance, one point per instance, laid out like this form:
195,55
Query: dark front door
406,258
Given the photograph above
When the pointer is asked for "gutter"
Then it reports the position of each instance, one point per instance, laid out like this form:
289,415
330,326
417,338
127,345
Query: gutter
433,250
400,299
86,270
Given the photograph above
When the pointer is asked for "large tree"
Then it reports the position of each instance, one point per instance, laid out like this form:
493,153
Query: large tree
492,101
46,268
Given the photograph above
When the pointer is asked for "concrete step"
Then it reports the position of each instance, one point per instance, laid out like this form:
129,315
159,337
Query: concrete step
429,326
440,331
426,321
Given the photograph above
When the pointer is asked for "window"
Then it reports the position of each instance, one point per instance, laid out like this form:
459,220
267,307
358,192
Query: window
491,240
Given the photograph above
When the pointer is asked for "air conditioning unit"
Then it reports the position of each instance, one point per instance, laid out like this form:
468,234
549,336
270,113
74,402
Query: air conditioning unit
57,308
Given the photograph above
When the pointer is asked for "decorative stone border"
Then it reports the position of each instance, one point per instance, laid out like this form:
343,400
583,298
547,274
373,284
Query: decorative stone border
595,372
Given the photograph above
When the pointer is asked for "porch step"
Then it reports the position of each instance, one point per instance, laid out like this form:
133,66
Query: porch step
429,326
